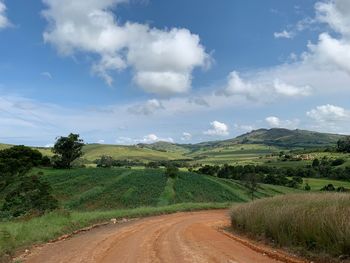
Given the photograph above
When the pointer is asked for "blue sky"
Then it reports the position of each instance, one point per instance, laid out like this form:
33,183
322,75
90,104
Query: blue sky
124,72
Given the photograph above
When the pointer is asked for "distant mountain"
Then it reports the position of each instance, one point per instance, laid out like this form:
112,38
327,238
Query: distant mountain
273,137
278,137
286,138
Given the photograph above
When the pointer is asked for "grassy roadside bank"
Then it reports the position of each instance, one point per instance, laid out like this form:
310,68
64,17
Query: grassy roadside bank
16,235
316,225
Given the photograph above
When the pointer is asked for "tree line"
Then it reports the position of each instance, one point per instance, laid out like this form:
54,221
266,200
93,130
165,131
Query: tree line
23,193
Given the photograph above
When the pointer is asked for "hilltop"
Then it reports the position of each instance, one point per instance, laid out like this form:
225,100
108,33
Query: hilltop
246,147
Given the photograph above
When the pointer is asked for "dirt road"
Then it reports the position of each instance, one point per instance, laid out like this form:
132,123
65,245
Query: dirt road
178,238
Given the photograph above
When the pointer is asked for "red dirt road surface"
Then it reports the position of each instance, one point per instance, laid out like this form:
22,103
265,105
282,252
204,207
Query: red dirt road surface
178,238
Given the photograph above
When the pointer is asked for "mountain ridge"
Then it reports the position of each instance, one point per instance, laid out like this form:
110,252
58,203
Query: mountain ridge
273,137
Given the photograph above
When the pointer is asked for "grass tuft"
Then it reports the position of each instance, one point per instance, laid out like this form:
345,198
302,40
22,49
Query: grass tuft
311,222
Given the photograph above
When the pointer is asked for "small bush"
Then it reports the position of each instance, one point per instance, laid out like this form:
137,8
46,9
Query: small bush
171,171
337,162
29,196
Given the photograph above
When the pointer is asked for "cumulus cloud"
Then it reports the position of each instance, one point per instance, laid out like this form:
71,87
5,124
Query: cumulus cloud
284,34
217,129
258,89
330,118
149,138
275,122
4,21
332,50
290,90
162,60
328,114
186,136
147,108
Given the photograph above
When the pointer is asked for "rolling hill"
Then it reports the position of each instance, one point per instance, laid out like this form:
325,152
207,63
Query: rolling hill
289,138
248,147
117,188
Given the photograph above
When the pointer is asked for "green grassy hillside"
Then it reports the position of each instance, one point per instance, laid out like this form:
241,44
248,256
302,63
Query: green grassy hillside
94,188
254,147
95,151
289,138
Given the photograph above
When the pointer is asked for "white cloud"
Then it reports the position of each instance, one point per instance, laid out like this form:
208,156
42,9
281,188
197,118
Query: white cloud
275,122
4,22
148,139
152,138
217,129
101,141
284,34
330,118
328,114
332,50
290,90
147,108
261,89
46,74
186,136
162,60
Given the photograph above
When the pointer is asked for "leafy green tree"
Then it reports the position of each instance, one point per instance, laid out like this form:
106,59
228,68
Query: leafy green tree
251,182
105,161
171,171
307,187
343,145
29,196
67,149
315,163
26,156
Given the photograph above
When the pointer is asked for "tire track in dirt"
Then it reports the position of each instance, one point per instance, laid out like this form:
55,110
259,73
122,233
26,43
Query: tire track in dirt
180,237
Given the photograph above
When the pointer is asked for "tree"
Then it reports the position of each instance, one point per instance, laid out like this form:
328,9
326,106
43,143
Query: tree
29,195
26,156
171,171
315,163
105,161
307,187
251,180
67,149
344,145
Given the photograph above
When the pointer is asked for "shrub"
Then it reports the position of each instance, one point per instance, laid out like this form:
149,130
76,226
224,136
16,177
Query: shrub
30,195
343,145
337,162
171,171
105,161
328,187
307,187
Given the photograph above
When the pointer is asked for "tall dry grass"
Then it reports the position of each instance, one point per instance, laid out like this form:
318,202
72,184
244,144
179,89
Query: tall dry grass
313,222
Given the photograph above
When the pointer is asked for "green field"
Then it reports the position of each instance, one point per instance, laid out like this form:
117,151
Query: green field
103,189
317,184
91,195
